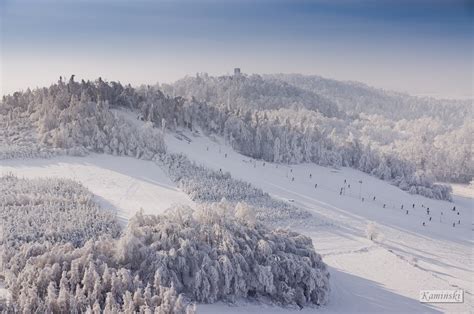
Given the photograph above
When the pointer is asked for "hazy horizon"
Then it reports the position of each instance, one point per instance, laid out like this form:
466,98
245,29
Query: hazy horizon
422,48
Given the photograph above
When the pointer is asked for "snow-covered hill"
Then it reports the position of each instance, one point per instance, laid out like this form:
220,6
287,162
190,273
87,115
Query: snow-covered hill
356,98
383,245
368,276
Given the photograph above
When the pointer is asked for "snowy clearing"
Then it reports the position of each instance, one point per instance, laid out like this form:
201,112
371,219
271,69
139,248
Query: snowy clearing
122,183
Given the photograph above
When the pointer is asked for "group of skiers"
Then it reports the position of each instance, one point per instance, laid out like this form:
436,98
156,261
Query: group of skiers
342,189
441,215
428,212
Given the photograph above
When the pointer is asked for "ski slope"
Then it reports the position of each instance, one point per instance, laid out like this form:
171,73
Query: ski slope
121,183
385,275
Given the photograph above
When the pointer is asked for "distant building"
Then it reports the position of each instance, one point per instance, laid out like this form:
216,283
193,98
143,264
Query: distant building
236,71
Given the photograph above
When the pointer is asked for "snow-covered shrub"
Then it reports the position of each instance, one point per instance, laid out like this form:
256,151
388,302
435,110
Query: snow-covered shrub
205,185
372,232
244,213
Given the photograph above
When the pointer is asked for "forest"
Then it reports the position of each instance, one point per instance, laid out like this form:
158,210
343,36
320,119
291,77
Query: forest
63,253
259,116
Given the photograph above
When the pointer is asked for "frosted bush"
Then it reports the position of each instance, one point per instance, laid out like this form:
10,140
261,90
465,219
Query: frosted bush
372,232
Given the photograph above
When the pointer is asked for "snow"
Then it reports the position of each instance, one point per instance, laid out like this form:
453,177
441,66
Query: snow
367,276
464,190
385,275
4,293
381,250
121,183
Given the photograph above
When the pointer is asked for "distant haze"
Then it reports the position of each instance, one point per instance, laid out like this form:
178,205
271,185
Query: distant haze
419,47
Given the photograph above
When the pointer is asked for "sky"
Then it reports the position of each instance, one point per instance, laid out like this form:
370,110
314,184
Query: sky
422,47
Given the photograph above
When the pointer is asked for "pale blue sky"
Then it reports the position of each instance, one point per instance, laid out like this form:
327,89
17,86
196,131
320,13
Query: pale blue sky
422,47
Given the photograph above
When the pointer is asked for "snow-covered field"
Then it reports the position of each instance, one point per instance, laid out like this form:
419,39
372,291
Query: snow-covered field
367,276
122,183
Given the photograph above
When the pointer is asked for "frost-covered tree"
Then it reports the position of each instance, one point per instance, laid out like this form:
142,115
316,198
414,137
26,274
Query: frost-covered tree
371,231
62,253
